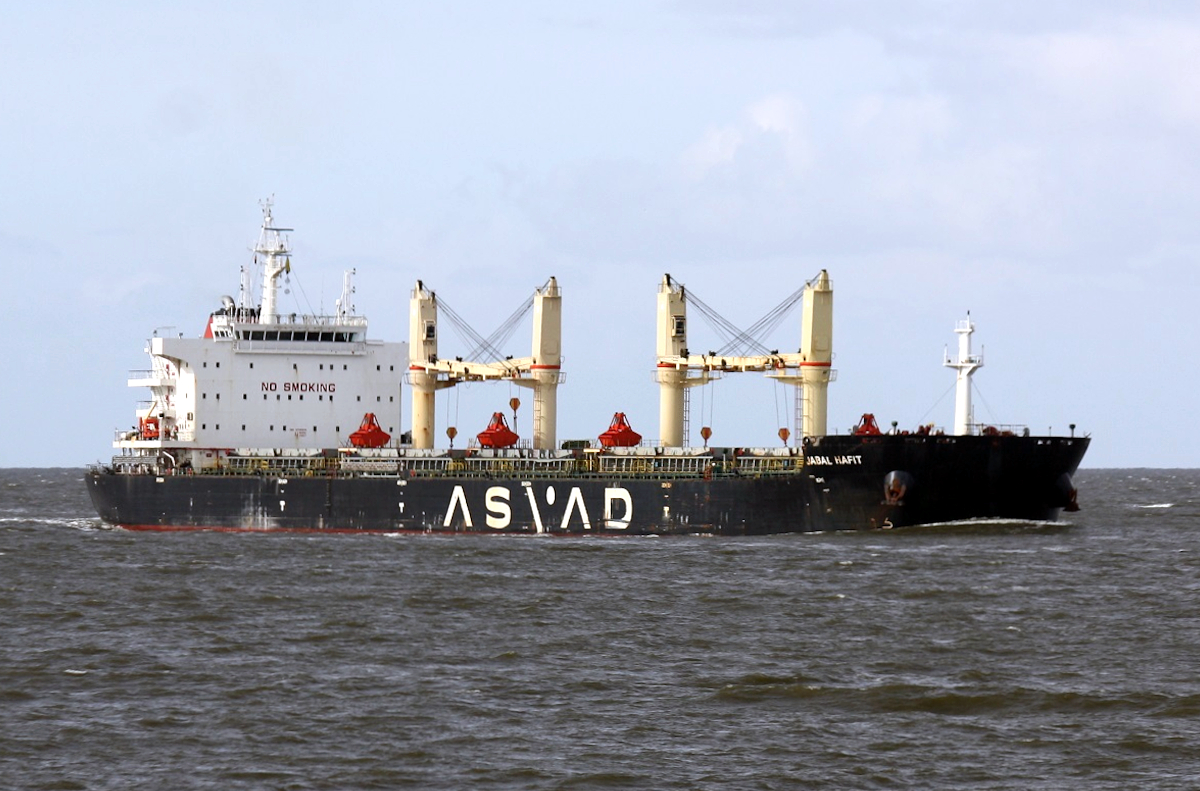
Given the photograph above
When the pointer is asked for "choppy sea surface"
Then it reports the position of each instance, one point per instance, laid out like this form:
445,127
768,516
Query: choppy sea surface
993,656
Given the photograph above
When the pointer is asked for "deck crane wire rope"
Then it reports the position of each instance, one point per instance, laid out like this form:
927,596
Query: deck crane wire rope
983,400
937,402
288,280
749,341
489,346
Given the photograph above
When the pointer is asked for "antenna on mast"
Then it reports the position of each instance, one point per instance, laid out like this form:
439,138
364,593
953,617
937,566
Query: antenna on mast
344,307
272,245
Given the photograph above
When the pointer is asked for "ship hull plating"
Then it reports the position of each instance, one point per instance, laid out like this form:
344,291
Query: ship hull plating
846,483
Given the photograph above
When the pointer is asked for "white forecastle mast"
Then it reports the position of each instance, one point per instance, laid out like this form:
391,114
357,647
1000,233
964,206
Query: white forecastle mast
966,365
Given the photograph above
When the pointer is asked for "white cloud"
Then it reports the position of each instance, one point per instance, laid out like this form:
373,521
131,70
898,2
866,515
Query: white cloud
715,148
773,122
1133,70
912,123
783,116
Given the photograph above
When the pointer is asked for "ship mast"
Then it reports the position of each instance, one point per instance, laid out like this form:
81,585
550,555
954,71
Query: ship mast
272,245
966,365
344,306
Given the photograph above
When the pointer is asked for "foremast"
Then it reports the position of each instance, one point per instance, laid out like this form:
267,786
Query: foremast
965,366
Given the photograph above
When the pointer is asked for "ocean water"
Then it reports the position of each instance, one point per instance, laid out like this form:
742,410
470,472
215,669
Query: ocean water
995,656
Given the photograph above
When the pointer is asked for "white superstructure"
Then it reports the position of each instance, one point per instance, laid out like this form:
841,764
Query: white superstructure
261,379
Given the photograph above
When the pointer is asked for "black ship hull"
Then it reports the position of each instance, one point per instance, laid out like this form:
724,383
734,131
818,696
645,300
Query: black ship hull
845,483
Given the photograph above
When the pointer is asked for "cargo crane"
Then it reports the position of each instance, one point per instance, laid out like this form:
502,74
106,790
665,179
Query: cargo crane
541,371
810,367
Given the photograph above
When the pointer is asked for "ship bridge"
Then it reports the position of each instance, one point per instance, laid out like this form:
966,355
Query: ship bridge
261,378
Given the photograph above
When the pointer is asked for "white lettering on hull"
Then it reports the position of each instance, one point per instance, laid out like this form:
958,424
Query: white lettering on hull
832,461
617,508
575,499
537,515
611,495
499,514
458,498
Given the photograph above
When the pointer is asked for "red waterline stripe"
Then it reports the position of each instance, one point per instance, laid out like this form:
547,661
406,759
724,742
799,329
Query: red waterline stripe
392,532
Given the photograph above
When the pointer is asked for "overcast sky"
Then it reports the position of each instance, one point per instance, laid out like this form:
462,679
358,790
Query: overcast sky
1034,163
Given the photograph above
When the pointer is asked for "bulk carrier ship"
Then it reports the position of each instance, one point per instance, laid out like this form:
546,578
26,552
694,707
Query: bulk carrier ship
273,421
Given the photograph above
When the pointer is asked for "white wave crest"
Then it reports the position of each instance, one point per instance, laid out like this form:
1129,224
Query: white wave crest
79,524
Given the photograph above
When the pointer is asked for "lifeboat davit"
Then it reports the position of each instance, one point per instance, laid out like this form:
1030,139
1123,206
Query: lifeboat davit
620,434
369,434
497,434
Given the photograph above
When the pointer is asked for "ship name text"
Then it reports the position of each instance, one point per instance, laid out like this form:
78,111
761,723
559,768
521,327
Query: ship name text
830,461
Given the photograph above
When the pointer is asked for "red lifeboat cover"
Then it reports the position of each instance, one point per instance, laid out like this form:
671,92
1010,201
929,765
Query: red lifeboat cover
369,434
498,434
867,426
620,434
149,427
